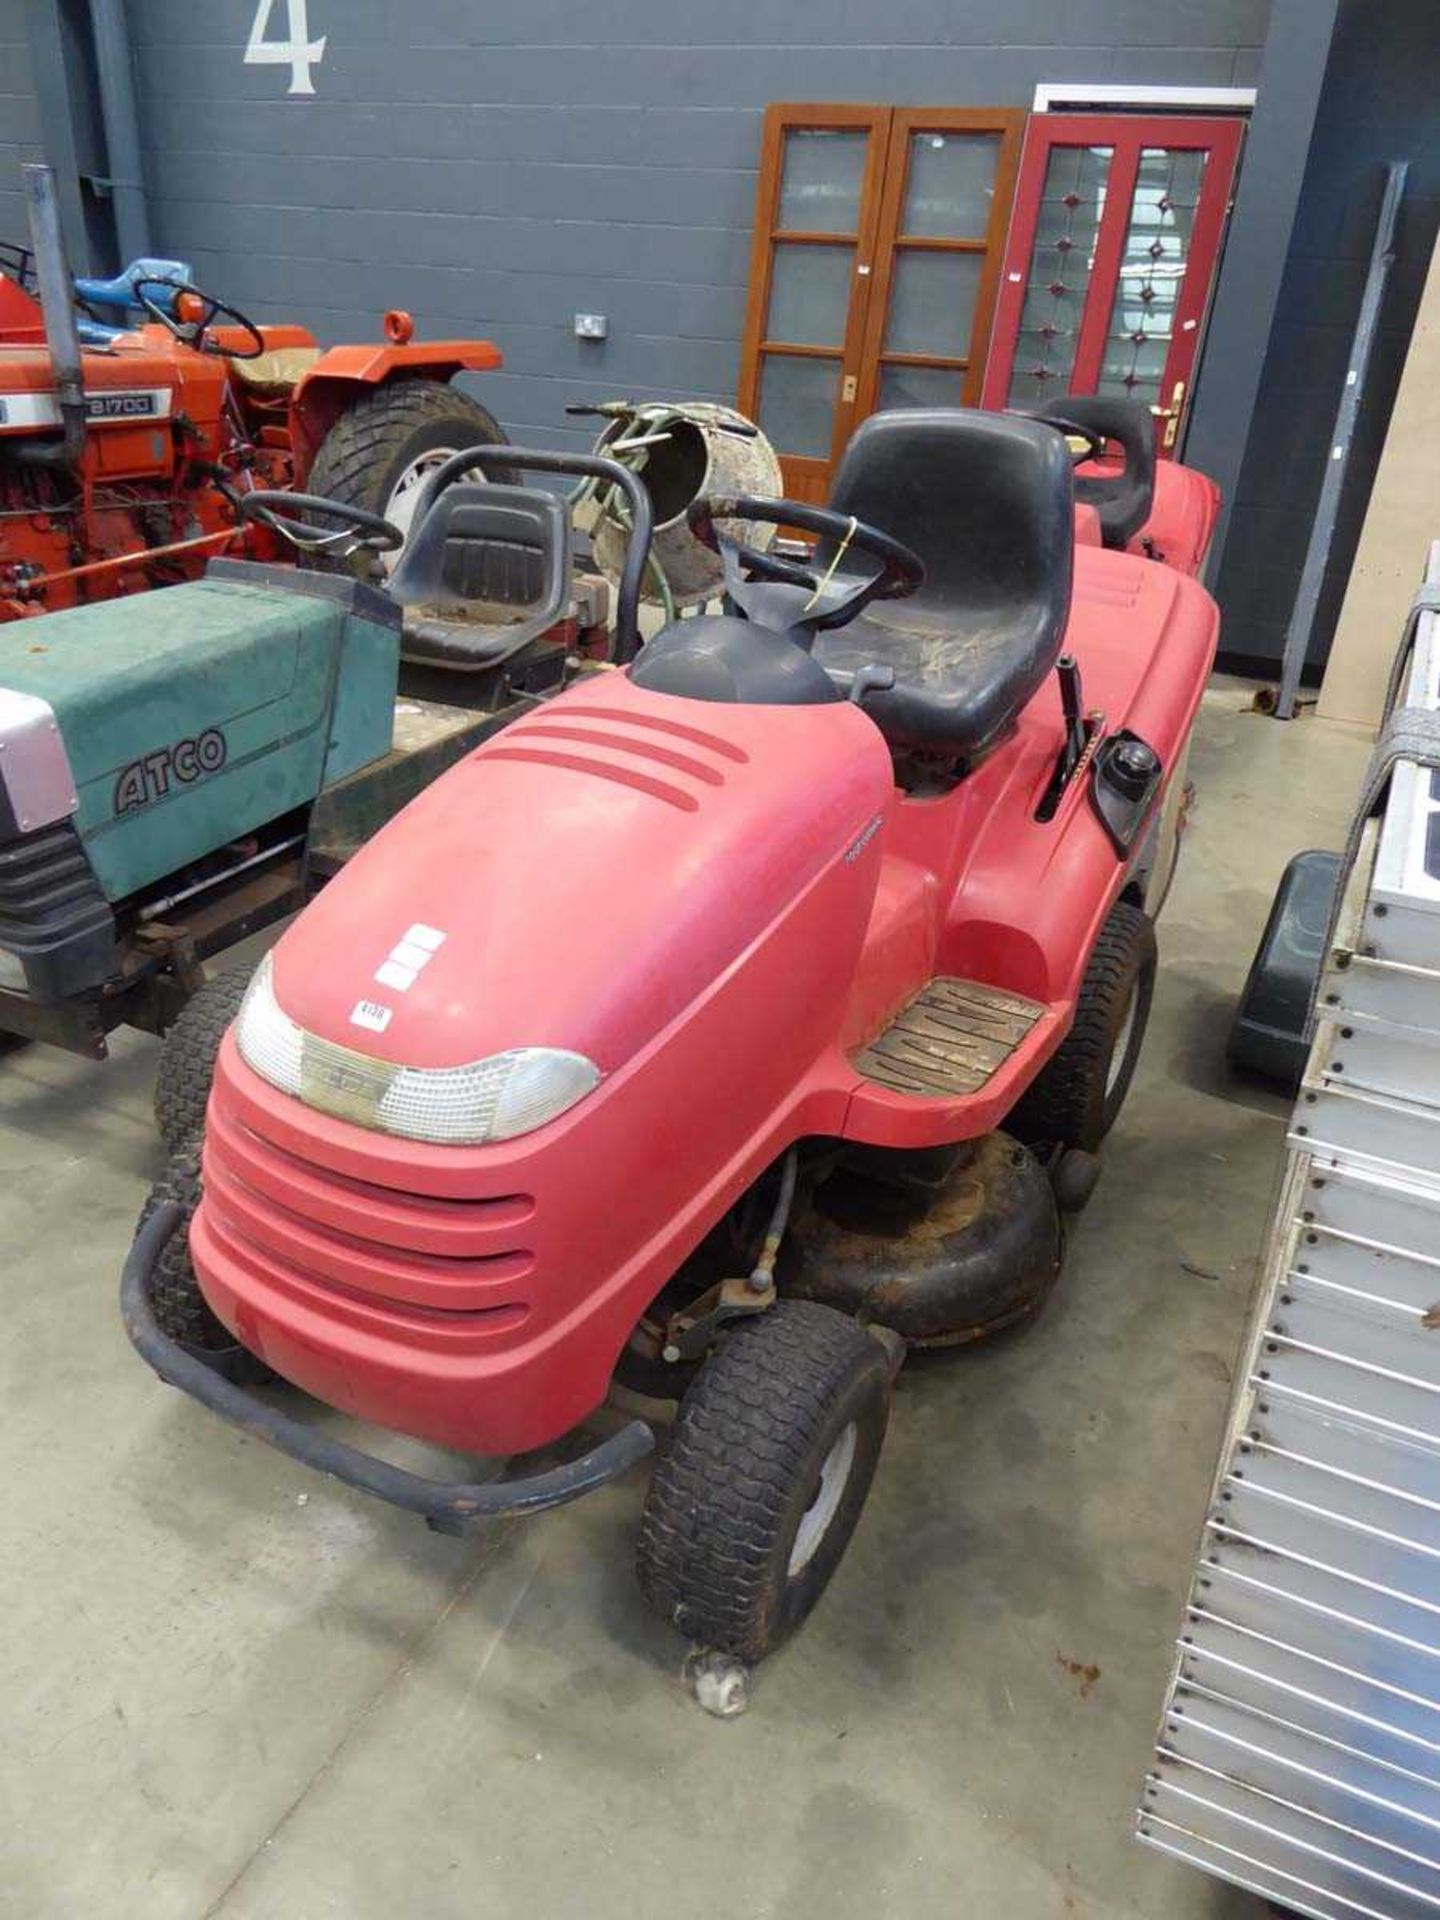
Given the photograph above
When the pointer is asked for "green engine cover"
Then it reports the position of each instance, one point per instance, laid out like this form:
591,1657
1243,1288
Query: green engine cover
195,714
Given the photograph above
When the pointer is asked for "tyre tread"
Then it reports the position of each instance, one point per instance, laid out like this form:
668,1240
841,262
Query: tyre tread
188,1053
180,1308
720,1489
1057,1107
370,434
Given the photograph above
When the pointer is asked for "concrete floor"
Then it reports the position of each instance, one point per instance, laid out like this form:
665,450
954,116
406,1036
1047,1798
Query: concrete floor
229,1688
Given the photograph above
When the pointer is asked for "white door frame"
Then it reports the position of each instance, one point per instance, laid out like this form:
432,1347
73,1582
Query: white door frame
1105,93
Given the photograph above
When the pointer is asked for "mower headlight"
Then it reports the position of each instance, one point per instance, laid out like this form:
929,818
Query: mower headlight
493,1099
269,1040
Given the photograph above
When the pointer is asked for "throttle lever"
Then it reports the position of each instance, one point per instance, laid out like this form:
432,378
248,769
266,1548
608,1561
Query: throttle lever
871,678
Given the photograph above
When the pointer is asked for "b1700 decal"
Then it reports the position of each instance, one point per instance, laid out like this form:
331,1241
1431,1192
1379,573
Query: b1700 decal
115,403
156,774
141,405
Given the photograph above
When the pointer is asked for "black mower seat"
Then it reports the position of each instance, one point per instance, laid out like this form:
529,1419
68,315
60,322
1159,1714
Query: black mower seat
1123,499
986,501
488,568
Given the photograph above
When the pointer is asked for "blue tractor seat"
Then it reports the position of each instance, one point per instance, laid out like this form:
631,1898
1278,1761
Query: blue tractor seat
116,298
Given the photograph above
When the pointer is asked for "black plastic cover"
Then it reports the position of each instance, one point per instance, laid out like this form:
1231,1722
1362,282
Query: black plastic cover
1268,1035
719,657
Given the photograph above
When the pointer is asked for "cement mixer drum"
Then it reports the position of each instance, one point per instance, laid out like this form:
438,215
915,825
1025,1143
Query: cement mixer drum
705,449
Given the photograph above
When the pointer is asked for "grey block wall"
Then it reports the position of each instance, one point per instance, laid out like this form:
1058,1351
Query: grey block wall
499,165
19,118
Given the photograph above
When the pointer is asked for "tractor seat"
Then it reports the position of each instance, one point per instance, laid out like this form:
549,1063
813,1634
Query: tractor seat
117,296
1122,498
276,370
986,500
486,572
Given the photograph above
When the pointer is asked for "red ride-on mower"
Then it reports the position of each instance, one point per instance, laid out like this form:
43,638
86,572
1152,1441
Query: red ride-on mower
742,1018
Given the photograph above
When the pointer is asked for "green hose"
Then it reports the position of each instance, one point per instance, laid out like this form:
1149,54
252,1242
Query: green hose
652,418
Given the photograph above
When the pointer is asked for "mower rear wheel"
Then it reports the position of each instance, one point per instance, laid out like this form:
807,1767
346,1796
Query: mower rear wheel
1076,1097
175,1297
188,1054
383,448
761,1480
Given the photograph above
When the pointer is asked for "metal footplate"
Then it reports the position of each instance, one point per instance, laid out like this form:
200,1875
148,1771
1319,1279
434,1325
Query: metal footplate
949,1040
1299,1753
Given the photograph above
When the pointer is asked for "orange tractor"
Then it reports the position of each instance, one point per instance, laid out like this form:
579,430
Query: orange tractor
136,413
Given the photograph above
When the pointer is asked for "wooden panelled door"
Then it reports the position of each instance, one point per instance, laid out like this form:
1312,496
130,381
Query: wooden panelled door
1111,260
874,268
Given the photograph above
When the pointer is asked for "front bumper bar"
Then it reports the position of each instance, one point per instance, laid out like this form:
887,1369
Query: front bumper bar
446,1505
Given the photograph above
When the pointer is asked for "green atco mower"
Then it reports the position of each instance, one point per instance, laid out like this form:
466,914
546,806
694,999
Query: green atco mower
180,769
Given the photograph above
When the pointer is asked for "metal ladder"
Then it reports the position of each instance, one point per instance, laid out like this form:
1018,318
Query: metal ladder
1299,1749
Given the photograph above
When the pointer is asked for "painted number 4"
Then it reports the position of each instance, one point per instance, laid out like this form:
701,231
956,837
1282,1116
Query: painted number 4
299,52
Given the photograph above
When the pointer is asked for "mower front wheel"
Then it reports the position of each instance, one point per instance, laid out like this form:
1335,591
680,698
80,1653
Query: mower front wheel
188,1054
762,1478
180,1309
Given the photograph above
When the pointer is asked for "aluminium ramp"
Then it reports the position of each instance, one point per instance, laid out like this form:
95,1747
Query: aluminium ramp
1299,1751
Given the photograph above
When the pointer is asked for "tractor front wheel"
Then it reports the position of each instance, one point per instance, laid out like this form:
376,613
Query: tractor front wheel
386,444
762,1477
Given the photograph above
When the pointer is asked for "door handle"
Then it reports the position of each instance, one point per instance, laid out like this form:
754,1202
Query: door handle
1171,415
848,387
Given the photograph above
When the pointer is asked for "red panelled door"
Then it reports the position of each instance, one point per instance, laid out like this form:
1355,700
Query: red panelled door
1111,257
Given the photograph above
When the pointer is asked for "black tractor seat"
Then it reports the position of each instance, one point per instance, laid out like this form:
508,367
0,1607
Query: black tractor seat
986,500
1122,499
484,573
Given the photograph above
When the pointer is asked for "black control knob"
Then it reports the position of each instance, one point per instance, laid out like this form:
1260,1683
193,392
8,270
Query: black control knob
1133,766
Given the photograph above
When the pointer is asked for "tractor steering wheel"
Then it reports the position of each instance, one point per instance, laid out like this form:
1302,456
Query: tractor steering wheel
835,596
273,508
192,332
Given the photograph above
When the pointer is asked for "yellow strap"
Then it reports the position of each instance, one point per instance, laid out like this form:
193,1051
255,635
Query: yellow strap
829,571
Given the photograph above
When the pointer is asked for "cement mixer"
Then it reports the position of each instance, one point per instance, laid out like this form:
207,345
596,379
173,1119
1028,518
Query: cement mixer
679,449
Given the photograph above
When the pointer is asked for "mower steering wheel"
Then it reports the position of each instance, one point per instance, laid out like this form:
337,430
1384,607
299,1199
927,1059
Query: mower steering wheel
193,332
273,508
1095,443
901,572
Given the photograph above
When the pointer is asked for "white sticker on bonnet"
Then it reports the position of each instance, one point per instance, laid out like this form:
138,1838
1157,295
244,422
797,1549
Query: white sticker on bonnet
371,1014
414,950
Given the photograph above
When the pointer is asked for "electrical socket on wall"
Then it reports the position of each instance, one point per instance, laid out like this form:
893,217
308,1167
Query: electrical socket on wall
591,326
